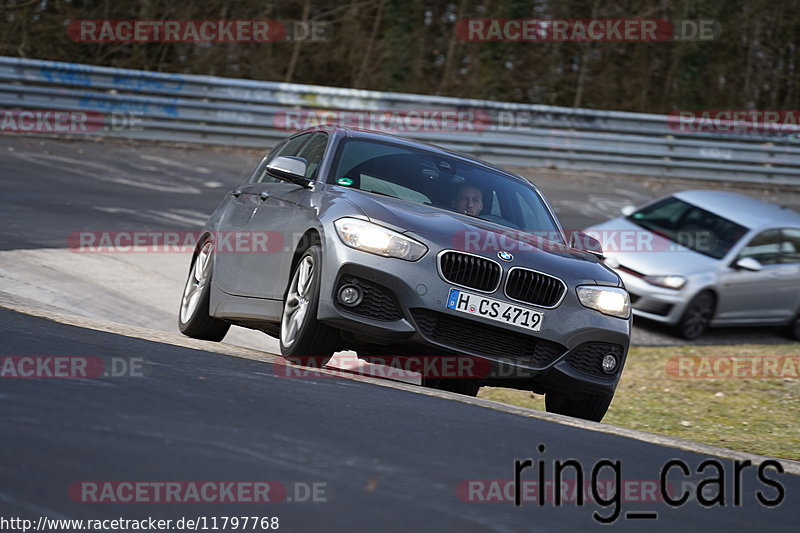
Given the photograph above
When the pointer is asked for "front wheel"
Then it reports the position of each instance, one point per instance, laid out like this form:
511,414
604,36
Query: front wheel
194,319
588,407
697,317
303,339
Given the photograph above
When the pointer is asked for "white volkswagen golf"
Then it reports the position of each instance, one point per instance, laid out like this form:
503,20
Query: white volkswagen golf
712,258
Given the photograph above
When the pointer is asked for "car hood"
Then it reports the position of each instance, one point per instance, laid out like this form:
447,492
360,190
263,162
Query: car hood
646,252
454,231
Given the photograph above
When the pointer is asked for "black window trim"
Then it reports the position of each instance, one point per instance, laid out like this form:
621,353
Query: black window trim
328,137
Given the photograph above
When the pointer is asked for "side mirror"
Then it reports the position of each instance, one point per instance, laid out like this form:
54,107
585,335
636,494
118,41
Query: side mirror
628,210
586,243
748,263
289,168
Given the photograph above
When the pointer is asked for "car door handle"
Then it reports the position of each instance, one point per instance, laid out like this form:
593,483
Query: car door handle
263,195
236,193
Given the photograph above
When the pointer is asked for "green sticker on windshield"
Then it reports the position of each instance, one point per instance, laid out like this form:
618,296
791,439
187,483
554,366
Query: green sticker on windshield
344,181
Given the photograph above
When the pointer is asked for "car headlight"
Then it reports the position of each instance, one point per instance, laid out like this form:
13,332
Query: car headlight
669,282
611,301
375,239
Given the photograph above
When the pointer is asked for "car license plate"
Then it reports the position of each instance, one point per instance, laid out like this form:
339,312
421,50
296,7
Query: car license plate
504,312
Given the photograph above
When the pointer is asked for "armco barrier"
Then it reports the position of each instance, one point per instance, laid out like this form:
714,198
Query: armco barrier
206,109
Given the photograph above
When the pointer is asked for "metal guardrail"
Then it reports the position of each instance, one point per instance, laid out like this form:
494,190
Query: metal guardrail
207,109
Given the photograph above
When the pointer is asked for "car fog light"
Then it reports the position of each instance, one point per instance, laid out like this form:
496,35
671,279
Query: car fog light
609,363
350,295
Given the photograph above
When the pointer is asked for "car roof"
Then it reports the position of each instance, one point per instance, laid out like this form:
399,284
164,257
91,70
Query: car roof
741,209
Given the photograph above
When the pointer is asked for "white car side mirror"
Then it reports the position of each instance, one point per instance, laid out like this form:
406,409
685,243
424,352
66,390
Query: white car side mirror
748,263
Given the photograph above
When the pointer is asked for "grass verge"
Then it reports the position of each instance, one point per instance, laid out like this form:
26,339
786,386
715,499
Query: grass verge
751,414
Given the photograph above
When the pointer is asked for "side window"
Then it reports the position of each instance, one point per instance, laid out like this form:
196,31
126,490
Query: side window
290,147
313,151
790,248
765,247
293,145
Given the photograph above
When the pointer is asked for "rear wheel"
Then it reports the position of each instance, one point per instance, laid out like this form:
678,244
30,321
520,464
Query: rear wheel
588,407
303,339
194,320
794,328
697,317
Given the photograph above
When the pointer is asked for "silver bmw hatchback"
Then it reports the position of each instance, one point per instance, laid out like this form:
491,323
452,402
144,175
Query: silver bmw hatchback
708,258
348,239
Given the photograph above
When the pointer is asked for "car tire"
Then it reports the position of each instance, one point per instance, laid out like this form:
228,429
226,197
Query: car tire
588,407
794,328
303,339
466,387
696,317
193,318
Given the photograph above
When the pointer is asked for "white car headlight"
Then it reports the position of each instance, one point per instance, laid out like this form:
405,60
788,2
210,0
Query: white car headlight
611,301
669,282
375,239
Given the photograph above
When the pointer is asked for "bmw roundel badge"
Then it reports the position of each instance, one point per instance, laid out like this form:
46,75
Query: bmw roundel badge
505,256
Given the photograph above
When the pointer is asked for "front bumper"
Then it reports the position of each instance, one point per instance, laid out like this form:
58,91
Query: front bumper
556,357
655,303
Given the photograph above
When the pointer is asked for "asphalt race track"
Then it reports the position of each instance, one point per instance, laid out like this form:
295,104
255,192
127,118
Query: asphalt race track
339,453
382,458
160,162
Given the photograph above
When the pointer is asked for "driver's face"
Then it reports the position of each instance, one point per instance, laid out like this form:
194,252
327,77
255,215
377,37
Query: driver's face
469,201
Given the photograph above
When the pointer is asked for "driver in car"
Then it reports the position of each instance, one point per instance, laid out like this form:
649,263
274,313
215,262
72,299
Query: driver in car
468,200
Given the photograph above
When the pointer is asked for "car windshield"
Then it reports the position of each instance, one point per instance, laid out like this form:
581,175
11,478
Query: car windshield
690,226
424,177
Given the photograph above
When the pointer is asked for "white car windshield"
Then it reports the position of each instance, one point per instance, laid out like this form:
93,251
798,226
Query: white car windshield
690,226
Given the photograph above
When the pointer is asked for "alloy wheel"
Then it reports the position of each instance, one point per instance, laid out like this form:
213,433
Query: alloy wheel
297,301
196,282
